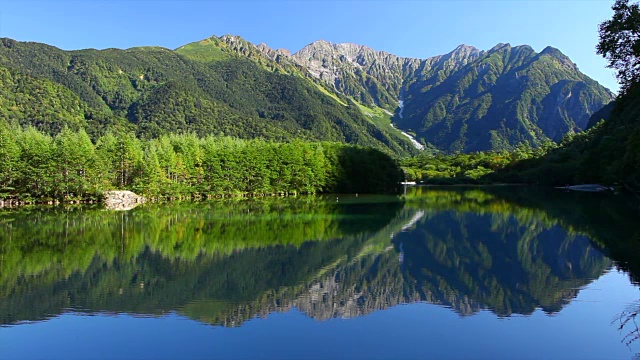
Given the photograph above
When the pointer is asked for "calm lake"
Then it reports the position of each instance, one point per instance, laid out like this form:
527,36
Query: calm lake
455,273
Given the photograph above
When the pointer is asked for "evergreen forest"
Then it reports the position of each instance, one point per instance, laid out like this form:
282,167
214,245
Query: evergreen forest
608,152
70,167
223,117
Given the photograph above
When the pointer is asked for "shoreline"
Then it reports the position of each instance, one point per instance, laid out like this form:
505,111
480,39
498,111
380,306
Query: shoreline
10,204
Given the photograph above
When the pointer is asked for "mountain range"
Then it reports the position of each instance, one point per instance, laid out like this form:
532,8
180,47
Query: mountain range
467,100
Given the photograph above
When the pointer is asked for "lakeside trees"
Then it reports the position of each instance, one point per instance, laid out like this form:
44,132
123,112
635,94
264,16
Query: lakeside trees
620,42
69,166
608,152
472,168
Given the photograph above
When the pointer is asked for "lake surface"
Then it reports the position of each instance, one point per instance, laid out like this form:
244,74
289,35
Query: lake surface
459,273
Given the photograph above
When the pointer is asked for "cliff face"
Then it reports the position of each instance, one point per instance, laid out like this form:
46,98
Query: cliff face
468,99
371,77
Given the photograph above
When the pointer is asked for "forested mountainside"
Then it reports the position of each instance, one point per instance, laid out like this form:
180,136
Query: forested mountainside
155,91
466,100
609,152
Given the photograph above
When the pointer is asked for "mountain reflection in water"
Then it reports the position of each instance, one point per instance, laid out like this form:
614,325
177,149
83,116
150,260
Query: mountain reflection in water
507,250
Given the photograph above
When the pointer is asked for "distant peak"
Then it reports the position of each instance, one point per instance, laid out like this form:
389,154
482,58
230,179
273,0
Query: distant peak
462,54
500,46
523,47
464,47
230,37
271,52
325,43
284,51
224,38
264,48
327,47
320,42
317,44
550,50
557,54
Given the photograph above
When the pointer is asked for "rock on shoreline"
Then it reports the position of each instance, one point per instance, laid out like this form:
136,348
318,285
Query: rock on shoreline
122,200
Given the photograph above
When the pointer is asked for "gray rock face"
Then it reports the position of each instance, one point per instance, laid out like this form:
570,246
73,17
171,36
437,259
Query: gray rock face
374,77
270,58
275,55
467,100
122,200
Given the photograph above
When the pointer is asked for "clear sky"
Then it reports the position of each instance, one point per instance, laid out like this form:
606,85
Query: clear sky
418,28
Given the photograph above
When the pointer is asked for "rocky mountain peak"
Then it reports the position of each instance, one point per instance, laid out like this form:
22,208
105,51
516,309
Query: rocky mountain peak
558,55
349,51
230,38
341,65
500,46
274,54
419,91
464,48
235,41
462,54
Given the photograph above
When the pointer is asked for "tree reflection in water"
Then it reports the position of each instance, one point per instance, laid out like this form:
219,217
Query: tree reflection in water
508,250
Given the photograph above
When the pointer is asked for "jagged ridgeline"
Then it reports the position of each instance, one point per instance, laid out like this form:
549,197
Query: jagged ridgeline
466,100
211,90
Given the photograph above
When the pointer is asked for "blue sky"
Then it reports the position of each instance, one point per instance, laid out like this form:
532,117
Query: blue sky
418,28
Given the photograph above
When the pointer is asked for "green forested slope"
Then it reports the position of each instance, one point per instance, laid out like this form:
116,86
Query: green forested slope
26,100
610,151
157,91
507,96
466,100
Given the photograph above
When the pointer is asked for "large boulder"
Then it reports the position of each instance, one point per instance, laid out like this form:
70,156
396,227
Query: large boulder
122,200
